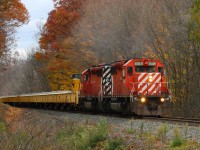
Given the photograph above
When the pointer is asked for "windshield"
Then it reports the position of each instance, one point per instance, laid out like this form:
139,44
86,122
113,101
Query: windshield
140,69
148,69
77,76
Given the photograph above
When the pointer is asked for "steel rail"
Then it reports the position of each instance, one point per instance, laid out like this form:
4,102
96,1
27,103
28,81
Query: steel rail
181,120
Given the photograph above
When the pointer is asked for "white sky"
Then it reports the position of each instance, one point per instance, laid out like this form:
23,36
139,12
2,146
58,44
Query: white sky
38,11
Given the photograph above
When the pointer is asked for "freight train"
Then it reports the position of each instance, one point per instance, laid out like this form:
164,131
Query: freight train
137,86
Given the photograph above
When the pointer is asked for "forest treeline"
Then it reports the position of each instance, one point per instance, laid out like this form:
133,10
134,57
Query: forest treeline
81,33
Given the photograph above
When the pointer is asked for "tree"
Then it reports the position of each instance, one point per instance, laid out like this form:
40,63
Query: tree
23,77
62,53
111,24
195,21
12,15
59,24
175,41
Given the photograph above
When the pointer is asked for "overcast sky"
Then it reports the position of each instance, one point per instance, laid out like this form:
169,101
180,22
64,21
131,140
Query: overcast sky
38,10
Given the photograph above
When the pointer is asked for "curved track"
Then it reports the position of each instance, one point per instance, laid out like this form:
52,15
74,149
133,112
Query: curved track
181,121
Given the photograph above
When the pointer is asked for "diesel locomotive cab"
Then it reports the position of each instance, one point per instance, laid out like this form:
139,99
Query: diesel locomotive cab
150,89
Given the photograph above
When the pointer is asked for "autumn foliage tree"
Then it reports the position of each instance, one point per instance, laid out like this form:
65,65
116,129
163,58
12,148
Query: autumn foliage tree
59,24
175,41
62,53
13,14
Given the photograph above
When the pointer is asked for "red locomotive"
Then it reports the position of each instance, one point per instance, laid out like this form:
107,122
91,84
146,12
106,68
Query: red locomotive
128,86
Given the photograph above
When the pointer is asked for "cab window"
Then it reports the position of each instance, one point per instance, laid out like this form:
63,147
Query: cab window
99,73
130,71
160,69
76,76
85,77
139,69
150,69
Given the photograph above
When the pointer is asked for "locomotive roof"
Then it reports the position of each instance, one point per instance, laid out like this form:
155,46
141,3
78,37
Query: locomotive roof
121,62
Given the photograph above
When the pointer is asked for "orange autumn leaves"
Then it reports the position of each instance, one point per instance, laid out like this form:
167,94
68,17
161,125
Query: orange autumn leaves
12,14
62,52
59,24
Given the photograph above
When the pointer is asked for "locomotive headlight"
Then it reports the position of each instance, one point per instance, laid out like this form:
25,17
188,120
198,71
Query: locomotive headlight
143,100
162,99
150,78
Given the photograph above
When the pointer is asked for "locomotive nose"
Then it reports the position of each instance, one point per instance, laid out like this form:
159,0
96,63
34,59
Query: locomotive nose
148,83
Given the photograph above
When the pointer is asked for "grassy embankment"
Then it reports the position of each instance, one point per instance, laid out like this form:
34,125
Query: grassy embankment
22,129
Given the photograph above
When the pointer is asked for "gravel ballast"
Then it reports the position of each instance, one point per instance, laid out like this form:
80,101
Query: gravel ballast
119,125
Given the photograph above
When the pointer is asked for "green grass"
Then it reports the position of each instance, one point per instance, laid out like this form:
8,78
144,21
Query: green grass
141,129
115,144
130,131
177,140
87,137
99,133
3,127
162,132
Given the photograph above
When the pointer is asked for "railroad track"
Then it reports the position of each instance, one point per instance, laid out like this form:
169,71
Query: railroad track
179,120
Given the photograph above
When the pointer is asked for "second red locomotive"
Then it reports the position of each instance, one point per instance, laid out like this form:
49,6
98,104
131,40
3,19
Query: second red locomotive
128,86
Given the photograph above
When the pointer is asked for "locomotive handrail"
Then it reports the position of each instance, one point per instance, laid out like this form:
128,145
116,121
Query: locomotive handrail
132,91
150,83
131,95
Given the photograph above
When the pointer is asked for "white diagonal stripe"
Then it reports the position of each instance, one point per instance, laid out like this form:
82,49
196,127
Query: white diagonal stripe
144,80
127,62
151,87
107,83
144,88
108,89
155,75
105,73
155,83
158,80
142,74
